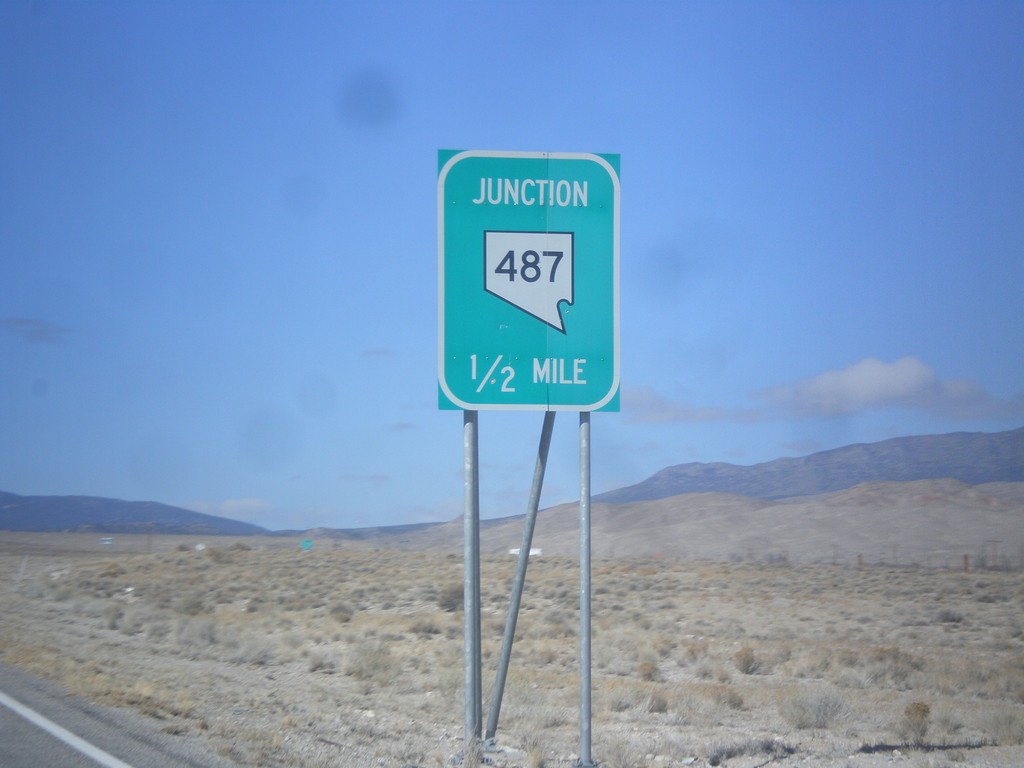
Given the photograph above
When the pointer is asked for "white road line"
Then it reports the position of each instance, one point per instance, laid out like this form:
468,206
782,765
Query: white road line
83,746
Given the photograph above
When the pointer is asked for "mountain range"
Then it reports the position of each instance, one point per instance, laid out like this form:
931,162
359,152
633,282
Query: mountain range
95,514
970,457
922,497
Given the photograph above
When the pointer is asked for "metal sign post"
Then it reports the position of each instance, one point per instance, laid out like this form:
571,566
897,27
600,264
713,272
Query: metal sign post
471,581
585,760
528,319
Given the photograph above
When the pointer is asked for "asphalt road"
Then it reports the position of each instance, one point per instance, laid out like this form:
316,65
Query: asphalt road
23,744
116,738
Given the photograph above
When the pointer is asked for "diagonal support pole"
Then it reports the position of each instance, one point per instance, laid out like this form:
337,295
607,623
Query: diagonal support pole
520,579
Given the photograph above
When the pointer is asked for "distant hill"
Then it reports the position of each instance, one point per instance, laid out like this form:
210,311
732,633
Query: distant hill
91,513
923,522
970,457
928,499
923,499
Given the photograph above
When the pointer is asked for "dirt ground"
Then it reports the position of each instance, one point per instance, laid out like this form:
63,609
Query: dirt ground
275,656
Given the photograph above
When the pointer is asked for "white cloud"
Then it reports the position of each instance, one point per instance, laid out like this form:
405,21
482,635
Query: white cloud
863,386
872,383
644,405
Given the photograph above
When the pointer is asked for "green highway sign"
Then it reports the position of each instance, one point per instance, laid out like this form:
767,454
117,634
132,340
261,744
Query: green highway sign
528,281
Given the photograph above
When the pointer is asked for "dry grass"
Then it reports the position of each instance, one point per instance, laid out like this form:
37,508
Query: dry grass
285,658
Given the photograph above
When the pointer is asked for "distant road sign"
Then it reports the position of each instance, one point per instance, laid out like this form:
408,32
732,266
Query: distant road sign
528,281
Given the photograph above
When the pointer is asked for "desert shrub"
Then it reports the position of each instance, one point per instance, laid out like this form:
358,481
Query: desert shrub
340,612
746,662
556,624
112,615
813,709
545,651
774,749
292,640
913,725
555,717
619,754
663,645
534,749
321,661
199,633
252,605
620,700
255,652
658,703
945,725
889,665
816,663
694,651
1005,727
726,696
450,597
218,555
112,570
191,604
372,661
631,698
648,670
158,629
134,621
704,670
425,627
471,755
62,592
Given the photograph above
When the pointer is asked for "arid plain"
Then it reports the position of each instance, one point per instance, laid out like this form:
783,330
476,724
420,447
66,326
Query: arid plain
268,655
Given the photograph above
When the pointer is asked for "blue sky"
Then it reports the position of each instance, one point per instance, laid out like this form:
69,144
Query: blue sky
218,239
